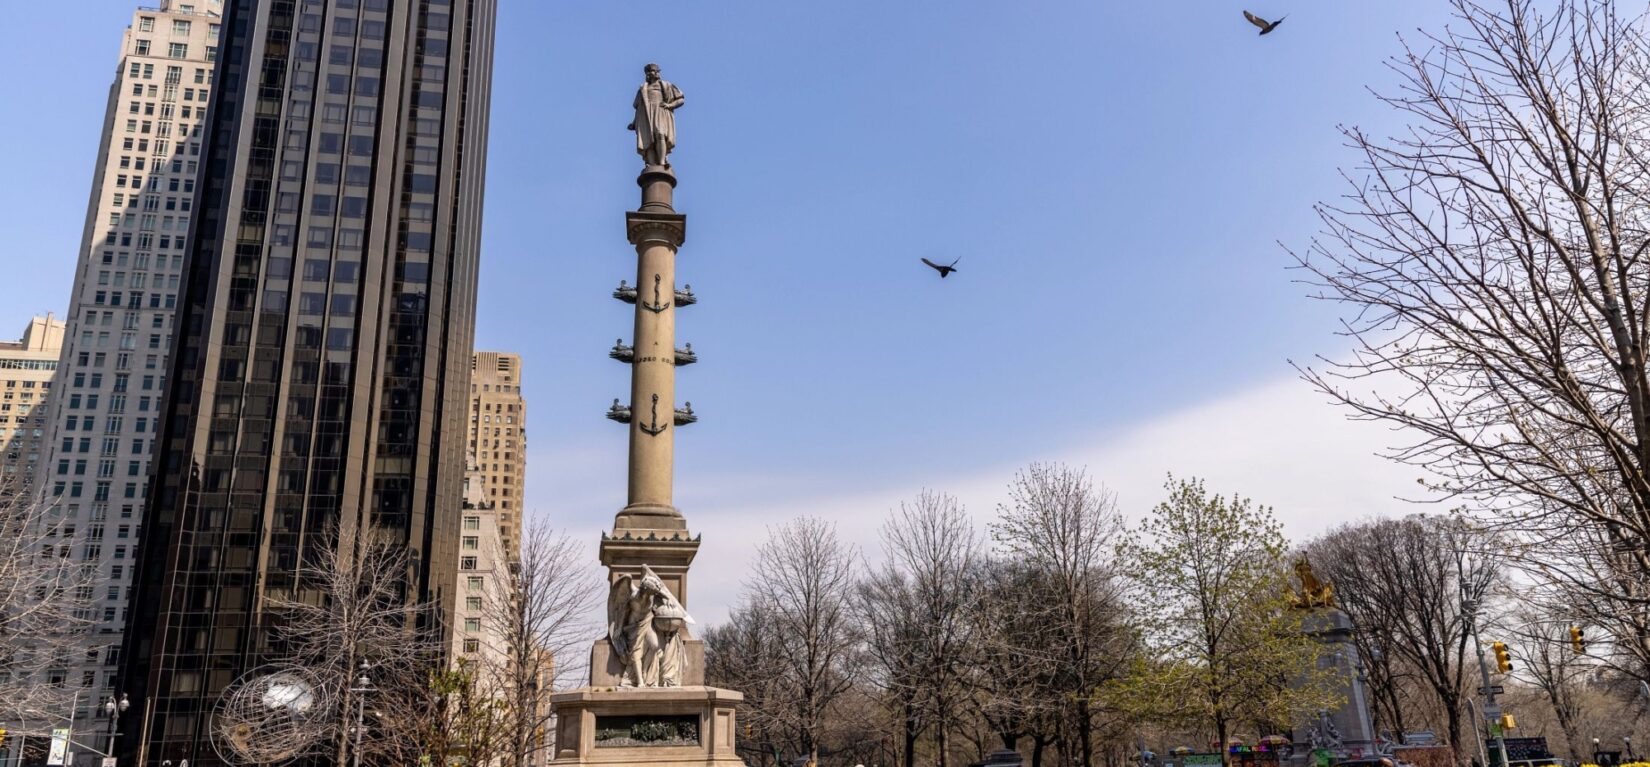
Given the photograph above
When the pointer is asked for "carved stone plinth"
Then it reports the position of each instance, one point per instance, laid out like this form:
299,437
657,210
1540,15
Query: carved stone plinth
1347,730
646,726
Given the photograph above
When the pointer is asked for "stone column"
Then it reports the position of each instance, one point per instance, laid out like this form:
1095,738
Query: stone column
649,530
656,230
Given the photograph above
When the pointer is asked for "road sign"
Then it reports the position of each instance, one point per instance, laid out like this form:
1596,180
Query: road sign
59,753
1492,712
1493,689
109,761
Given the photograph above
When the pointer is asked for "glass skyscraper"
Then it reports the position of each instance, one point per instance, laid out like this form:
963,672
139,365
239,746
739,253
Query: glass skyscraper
319,375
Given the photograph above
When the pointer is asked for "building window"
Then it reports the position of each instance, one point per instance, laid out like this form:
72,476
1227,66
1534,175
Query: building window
471,603
472,523
474,583
466,563
180,27
178,51
472,624
146,23
472,543
142,48
472,645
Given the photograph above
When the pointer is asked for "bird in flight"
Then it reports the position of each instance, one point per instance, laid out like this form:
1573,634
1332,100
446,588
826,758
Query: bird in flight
1265,26
945,270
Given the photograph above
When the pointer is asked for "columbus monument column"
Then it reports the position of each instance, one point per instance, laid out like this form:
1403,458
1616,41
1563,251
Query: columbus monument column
647,703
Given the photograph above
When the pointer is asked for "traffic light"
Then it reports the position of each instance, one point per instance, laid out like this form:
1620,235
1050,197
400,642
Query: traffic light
1578,640
2,736
1508,722
1503,660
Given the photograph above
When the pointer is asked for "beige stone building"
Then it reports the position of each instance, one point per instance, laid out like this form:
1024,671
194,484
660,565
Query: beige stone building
106,405
482,574
27,367
498,438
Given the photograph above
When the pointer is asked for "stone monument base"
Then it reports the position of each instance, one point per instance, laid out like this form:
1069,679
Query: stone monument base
622,726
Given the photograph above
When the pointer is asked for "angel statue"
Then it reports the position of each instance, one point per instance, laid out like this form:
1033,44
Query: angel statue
644,625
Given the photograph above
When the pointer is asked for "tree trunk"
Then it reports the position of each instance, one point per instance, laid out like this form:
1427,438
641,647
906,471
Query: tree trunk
939,742
1452,722
1220,740
1038,743
1084,734
1566,723
910,754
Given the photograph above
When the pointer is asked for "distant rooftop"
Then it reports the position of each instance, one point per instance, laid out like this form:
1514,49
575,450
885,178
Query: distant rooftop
42,335
192,7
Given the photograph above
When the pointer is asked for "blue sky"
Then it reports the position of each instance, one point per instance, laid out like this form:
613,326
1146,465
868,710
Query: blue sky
1116,179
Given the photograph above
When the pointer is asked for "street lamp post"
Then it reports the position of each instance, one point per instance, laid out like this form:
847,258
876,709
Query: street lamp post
1627,740
363,685
113,709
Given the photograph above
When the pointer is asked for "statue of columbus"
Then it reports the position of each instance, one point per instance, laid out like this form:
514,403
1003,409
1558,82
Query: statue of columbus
655,123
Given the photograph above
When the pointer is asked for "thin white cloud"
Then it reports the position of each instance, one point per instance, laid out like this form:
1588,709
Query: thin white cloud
1279,443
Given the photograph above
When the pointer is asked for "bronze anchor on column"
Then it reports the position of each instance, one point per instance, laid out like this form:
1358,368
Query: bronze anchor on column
656,307
653,429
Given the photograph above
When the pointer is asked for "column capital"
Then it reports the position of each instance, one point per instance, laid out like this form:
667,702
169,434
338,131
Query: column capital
647,227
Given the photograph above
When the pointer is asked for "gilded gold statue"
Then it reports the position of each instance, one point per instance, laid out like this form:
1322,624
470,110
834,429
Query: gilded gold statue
1312,592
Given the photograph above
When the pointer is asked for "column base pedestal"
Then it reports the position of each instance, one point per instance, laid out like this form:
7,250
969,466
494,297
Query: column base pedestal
621,727
668,552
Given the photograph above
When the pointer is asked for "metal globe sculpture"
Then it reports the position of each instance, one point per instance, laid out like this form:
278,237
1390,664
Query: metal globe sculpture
269,716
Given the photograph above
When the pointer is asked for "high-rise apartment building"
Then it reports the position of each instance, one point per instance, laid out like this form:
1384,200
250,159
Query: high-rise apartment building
100,431
498,438
319,378
27,367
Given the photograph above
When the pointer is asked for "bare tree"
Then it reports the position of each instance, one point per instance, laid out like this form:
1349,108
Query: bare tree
1597,586
44,610
743,654
916,613
803,581
890,618
1404,583
355,615
536,623
1066,532
1492,259
1017,663
1548,663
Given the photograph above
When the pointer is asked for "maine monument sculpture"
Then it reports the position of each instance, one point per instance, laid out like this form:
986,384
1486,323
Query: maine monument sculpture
647,703
1346,731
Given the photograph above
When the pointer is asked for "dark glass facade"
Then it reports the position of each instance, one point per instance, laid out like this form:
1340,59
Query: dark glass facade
320,369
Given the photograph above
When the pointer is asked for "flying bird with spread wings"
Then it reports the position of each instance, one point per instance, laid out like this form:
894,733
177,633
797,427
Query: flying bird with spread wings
945,270
1265,26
